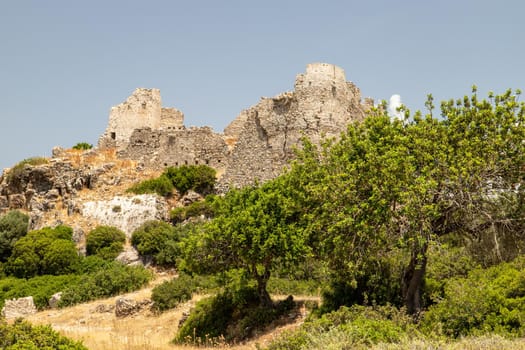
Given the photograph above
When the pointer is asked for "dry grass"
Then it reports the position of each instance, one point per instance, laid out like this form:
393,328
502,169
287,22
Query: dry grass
145,330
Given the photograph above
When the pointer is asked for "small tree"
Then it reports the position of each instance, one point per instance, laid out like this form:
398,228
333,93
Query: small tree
200,178
255,230
46,251
13,226
105,241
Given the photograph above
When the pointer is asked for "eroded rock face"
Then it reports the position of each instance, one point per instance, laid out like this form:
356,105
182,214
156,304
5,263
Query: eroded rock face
20,307
127,213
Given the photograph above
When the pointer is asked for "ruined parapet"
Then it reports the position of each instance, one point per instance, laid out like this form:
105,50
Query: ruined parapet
171,119
142,109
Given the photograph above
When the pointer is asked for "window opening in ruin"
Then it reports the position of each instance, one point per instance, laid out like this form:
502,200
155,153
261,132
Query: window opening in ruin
165,164
196,162
207,161
176,163
186,162
113,135
218,160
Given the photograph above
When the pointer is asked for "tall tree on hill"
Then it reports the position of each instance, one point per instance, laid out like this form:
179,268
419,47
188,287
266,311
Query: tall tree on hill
387,184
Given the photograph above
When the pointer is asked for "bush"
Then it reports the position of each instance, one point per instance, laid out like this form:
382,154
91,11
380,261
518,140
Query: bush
171,293
82,146
200,178
13,226
231,316
195,209
105,241
348,328
111,280
22,335
487,300
161,186
41,288
46,251
159,240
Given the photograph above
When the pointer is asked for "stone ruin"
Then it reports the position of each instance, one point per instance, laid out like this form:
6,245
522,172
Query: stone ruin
254,146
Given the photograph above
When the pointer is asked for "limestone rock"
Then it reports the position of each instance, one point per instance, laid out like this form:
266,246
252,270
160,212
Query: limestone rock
54,300
127,213
130,256
20,307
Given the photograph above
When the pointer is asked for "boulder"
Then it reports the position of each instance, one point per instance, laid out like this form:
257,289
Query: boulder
54,300
130,256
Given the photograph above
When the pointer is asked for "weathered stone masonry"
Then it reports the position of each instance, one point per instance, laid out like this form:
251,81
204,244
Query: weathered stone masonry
255,146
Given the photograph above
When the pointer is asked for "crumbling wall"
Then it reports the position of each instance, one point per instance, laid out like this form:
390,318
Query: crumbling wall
141,110
255,146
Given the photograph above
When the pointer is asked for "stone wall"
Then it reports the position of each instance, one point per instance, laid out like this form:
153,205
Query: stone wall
255,146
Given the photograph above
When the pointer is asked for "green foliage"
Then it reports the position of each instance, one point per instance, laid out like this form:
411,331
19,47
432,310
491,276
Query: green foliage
254,230
389,184
17,170
195,209
348,328
231,315
41,288
83,146
13,226
105,241
171,293
161,185
159,240
22,335
200,178
487,300
46,251
112,279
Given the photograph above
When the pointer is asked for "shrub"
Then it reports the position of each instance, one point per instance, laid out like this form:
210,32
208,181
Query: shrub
171,293
22,335
105,241
111,280
44,251
348,328
487,300
41,288
13,226
161,186
200,178
159,240
230,315
82,146
195,209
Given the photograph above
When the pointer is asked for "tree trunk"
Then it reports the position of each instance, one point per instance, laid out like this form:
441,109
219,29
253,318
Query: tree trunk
264,297
413,280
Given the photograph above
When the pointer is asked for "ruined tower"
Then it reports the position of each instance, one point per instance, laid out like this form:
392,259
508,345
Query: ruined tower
255,146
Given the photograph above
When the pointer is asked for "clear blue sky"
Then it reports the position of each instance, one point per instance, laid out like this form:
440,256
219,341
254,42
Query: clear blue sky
63,64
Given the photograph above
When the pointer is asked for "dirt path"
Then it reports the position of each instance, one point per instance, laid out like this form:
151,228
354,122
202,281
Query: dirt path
97,326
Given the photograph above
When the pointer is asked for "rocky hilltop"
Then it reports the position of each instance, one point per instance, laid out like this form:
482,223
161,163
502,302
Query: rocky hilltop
142,137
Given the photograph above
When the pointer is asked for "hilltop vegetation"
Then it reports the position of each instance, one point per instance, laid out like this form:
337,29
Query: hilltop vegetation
411,229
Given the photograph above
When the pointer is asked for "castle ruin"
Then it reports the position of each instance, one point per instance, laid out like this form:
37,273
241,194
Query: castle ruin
254,146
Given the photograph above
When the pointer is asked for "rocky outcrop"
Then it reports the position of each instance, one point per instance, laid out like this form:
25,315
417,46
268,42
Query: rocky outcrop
127,213
20,307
